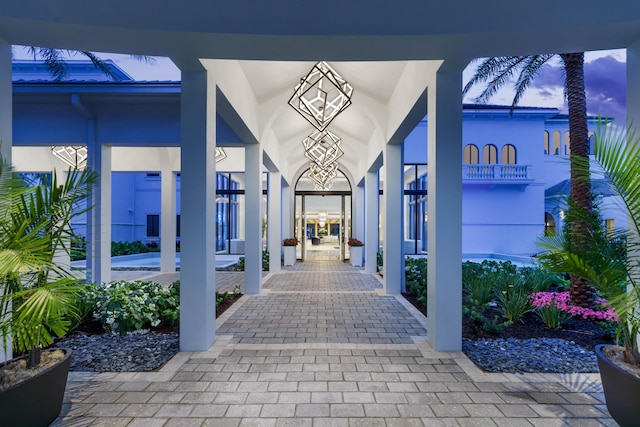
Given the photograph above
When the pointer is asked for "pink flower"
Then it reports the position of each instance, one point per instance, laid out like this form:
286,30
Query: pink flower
562,301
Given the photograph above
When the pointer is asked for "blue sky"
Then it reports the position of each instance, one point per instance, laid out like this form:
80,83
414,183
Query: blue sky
605,80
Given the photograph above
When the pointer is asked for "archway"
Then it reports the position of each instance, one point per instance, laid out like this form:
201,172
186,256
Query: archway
323,219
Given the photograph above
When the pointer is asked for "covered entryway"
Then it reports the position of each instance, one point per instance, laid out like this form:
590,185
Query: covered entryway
323,219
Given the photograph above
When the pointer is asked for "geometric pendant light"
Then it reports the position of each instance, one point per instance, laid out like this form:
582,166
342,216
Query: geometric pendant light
76,157
220,154
321,95
323,148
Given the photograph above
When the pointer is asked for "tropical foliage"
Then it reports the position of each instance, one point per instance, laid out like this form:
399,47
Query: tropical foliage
617,153
498,71
38,296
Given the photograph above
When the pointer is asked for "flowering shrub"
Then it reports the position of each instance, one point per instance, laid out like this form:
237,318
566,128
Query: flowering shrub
129,306
291,241
354,242
561,300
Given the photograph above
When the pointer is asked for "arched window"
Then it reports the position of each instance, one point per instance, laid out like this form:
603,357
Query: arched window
567,143
591,141
556,143
508,155
546,142
489,154
470,154
549,224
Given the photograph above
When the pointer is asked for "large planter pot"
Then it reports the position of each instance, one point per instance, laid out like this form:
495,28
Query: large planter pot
621,390
37,401
289,255
356,255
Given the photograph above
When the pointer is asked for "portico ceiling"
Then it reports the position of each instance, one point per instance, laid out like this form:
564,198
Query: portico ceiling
277,42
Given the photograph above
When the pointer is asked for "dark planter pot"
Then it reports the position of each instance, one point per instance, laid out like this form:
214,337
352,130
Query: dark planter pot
621,390
37,401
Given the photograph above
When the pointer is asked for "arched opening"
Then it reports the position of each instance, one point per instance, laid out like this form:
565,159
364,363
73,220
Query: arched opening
549,224
323,219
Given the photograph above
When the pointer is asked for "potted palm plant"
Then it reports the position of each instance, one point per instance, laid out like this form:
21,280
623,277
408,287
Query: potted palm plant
617,155
38,300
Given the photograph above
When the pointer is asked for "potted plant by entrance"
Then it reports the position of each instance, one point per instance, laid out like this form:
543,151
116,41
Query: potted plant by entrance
356,248
613,269
290,250
38,301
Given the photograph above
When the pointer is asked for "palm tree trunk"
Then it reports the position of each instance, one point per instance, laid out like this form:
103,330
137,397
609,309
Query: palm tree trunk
582,294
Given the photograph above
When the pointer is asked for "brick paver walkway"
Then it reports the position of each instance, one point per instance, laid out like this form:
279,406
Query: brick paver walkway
314,351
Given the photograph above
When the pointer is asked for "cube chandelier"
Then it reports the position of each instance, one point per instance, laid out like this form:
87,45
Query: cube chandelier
321,95
323,148
76,157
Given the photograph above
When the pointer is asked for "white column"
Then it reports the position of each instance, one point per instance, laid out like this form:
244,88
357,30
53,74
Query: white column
99,217
168,220
6,108
393,255
274,230
286,213
357,216
445,212
198,183
253,219
371,222
633,84
6,100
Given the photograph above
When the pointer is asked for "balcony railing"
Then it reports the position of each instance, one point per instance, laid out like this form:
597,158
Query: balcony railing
497,173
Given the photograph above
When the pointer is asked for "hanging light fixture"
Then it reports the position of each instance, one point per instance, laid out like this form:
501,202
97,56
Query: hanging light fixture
74,156
322,175
220,154
323,148
321,95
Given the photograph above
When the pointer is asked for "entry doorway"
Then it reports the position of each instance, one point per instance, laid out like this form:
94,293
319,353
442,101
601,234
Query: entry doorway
323,220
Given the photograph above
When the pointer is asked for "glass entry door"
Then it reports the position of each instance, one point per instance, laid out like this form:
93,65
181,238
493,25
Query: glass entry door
323,226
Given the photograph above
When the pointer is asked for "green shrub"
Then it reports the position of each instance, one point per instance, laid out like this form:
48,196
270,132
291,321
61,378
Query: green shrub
129,306
514,303
129,248
552,316
415,273
265,262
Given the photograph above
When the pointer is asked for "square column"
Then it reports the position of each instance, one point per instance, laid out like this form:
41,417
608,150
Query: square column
198,181
253,219
633,84
274,230
393,222
6,100
168,221
371,222
99,217
6,108
444,322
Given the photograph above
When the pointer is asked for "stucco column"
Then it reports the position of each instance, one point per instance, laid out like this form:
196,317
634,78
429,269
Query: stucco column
358,213
371,222
633,84
6,108
393,255
168,220
444,228
253,219
198,184
274,230
6,100
99,217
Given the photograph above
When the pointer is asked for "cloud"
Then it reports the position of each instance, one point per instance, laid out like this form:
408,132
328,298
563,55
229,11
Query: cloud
605,85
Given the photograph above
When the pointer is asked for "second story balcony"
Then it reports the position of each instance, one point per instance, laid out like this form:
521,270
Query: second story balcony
495,174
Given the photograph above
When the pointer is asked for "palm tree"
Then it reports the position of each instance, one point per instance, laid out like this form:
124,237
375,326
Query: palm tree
498,71
38,296
55,62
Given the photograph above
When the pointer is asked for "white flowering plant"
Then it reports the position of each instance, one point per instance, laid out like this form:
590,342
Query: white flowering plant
124,307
